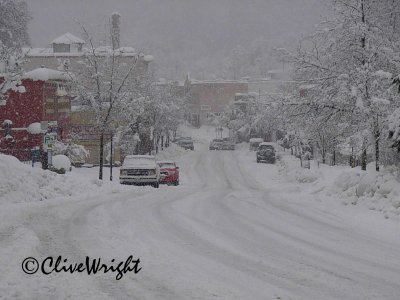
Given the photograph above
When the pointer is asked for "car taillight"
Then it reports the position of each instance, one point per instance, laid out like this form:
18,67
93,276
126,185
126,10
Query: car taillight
152,172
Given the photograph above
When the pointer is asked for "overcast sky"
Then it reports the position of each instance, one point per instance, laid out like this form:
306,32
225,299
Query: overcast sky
192,32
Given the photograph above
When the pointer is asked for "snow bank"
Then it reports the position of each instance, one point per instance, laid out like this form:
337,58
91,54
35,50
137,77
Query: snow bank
22,183
292,170
377,190
373,190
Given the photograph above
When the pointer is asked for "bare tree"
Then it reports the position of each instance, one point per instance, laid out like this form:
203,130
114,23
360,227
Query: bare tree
104,86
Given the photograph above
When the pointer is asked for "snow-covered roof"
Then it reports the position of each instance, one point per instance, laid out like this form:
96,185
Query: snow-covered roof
47,52
148,58
123,51
142,161
67,38
274,71
45,74
307,86
268,144
256,140
100,51
194,81
141,157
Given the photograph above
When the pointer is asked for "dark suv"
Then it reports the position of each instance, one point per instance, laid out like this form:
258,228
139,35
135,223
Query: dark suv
266,153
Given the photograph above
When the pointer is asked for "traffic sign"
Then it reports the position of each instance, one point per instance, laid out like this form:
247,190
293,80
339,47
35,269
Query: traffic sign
49,139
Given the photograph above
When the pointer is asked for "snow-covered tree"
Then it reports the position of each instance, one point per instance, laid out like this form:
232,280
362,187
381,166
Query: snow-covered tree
14,18
106,86
164,110
349,61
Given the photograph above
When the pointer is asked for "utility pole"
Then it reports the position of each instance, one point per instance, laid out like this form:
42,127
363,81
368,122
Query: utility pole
111,157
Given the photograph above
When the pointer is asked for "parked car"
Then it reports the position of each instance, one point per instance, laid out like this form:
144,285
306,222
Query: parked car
140,170
266,153
177,139
228,144
169,172
254,143
186,143
216,144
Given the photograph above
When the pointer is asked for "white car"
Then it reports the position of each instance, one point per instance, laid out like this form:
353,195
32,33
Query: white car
140,170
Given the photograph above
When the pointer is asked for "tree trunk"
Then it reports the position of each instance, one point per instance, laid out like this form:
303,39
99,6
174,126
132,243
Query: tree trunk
334,158
352,158
364,159
111,158
101,155
377,151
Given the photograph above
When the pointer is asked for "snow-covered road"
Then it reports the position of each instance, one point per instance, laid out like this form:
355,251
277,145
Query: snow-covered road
233,229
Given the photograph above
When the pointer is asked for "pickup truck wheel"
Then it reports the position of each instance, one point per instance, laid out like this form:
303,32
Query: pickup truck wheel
176,183
157,185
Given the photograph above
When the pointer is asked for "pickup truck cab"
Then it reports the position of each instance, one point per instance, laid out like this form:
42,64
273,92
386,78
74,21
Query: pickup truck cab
140,170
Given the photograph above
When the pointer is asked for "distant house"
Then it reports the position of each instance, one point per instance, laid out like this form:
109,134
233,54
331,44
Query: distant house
45,98
66,53
67,43
208,99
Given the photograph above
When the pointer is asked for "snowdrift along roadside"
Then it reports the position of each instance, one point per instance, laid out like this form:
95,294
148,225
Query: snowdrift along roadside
22,183
378,191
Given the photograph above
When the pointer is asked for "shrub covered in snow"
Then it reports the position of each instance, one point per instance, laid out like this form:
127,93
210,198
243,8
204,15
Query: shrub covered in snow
61,163
77,154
